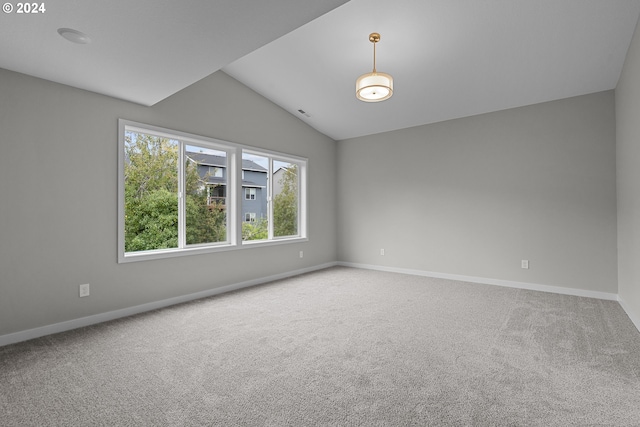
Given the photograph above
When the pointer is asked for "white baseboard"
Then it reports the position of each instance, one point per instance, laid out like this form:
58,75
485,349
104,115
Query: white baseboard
635,319
129,311
496,282
507,283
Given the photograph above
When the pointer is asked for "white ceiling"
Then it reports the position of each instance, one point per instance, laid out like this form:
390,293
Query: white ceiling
145,50
449,58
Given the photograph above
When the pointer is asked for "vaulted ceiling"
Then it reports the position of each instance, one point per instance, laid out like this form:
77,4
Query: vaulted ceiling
145,50
449,58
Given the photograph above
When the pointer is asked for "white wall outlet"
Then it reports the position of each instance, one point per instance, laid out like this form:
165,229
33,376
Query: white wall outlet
381,251
301,254
84,290
525,263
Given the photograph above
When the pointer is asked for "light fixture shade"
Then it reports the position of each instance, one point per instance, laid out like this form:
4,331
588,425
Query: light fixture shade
374,87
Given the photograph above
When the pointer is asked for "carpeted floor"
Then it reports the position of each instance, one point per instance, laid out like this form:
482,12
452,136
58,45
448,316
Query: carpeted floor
338,347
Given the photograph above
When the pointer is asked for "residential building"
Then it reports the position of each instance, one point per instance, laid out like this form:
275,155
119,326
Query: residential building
214,172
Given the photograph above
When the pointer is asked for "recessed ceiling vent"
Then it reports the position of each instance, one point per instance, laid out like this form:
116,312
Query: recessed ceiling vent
304,113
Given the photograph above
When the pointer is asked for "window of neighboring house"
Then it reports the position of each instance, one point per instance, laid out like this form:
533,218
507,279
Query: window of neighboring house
249,193
217,195
168,205
215,172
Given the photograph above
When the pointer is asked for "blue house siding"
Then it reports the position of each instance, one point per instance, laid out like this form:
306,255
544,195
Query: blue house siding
254,176
257,180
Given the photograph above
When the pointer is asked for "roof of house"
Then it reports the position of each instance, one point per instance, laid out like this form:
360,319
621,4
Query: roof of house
221,181
221,161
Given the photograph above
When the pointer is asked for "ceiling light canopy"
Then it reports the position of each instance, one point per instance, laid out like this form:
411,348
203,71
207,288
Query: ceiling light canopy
74,36
374,86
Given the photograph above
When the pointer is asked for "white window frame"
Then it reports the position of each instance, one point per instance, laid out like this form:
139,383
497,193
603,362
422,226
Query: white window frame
250,193
251,216
302,195
234,195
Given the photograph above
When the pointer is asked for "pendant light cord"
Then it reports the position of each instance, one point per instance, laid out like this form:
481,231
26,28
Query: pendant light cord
374,57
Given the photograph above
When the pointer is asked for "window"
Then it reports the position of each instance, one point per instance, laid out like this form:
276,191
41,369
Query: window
217,196
181,193
151,192
276,195
285,198
250,193
215,172
166,200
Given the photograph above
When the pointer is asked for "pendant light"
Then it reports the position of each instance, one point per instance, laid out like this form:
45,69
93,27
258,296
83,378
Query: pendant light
374,86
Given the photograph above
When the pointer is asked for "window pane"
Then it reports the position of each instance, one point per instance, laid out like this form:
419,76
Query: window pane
205,195
151,192
285,199
254,181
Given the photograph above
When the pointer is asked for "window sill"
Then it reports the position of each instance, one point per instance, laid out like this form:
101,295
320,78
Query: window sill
200,250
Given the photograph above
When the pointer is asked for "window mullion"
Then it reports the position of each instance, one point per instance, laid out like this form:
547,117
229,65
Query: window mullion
181,197
304,202
237,196
270,198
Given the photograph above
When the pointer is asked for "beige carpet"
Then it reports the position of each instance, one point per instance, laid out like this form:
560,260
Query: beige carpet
338,347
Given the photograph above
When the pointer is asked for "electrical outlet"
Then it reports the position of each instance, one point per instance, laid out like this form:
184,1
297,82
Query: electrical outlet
84,290
381,251
301,254
525,263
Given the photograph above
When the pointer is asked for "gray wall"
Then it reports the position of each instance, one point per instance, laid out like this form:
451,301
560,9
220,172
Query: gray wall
470,197
475,196
58,186
628,152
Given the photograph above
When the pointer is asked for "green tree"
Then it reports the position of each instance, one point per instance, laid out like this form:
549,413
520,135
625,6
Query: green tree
151,192
151,197
205,223
285,204
255,230
152,221
151,163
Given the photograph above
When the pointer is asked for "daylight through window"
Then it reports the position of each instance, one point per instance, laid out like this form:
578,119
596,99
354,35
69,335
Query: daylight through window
272,195
180,193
